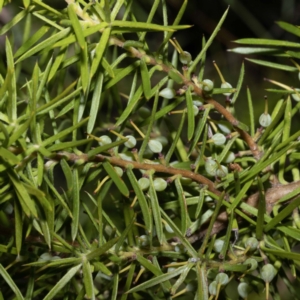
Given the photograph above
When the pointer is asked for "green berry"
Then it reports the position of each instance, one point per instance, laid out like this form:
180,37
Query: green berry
226,85
268,272
167,93
185,57
213,287
211,167
144,183
155,146
252,243
222,171
295,96
207,85
104,140
131,141
219,139
218,245
222,278
252,262
265,120
119,171
244,289
230,157
159,184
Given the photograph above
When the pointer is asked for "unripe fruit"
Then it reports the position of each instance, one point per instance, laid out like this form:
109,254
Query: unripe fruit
119,171
159,184
268,272
155,146
226,85
213,287
222,278
104,140
265,120
222,171
230,157
252,262
168,228
131,141
295,96
244,289
211,167
185,57
218,245
207,85
219,139
167,93
251,243
144,183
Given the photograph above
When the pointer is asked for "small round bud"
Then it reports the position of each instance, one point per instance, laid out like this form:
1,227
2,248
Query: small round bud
226,85
104,140
195,110
207,85
265,120
159,184
143,240
222,171
218,245
268,272
222,278
219,139
229,157
213,287
167,93
224,126
185,57
125,157
131,141
45,257
163,140
119,171
144,183
251,243
8,208
197,103
168,228
244,289
295,96
211,167
155,146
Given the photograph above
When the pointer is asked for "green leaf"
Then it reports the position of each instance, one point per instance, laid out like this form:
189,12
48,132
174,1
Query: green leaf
88,280
11,283
116,179
267,42
261,210
156,211
253,50
145,79
141,198
8,156
12,93
95,103
26,202
31,41
101,250
44,44
104,148
273,65
63,133
190,111
15,20
157,280
146,26
100,50
75,203
62,282
18,227
289,28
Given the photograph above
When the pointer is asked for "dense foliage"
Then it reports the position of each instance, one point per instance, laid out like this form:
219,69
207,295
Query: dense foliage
125,173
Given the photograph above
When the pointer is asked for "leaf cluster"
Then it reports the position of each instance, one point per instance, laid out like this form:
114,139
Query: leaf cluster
86,216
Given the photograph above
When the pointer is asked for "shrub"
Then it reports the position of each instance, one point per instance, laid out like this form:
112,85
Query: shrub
123,177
